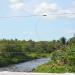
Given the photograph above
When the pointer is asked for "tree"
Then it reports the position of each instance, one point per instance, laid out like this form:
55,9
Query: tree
63,40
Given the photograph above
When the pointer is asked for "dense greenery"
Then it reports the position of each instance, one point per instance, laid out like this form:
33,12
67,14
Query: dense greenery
16,51
63,59
62,53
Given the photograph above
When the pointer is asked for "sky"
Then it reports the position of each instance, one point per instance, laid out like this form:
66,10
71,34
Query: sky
24,19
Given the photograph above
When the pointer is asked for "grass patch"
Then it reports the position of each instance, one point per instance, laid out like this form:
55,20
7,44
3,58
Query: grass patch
51,67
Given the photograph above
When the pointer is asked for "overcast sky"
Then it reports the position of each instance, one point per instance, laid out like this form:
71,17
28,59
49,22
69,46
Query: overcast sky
59,22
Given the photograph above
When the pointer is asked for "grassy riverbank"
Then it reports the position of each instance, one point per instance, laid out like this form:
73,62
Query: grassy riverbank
63,60
51,67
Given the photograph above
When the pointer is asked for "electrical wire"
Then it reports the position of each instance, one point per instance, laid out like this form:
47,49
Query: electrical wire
17,16
36,28
36,15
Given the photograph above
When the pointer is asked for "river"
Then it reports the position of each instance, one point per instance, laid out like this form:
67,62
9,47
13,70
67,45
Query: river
25,66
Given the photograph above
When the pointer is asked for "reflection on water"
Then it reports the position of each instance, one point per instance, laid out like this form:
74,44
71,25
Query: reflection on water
26,66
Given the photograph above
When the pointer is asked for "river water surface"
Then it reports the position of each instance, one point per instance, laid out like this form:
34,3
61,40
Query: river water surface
26,66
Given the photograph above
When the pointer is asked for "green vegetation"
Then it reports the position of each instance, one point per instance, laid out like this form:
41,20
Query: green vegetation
16,51
63,59
62,53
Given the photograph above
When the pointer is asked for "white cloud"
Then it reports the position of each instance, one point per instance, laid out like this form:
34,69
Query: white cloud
68,13
52,10
69,31
45,8
17,5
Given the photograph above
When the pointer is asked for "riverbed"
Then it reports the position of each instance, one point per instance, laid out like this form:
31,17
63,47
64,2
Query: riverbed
25,66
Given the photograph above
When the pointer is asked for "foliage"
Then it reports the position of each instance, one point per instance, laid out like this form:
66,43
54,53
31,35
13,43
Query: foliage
63,59
16,51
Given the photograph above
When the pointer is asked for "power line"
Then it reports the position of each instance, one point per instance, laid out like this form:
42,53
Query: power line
17,16
37,15
36,27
